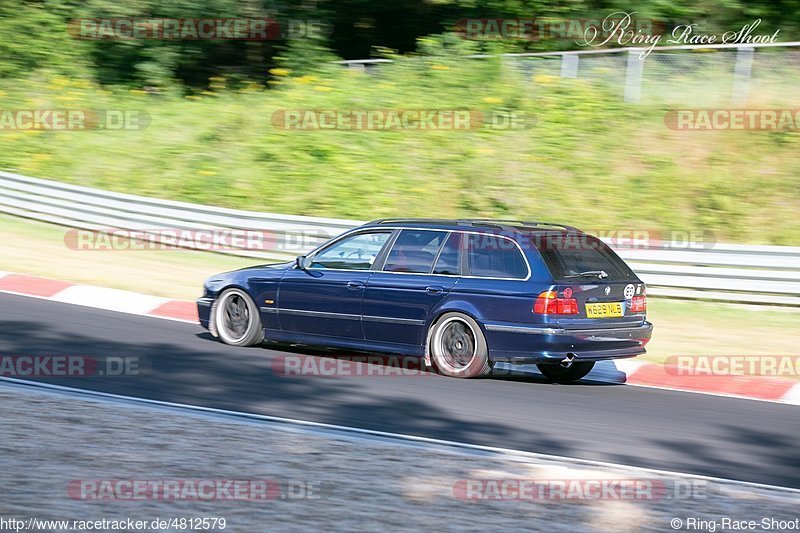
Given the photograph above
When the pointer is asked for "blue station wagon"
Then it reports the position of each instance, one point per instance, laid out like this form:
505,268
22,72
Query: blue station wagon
462,294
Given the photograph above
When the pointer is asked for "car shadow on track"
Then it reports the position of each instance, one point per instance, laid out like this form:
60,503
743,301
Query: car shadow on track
605,373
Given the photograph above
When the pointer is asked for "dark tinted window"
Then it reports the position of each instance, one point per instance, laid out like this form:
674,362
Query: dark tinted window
356,252
569,254
495,257
450,258
414,251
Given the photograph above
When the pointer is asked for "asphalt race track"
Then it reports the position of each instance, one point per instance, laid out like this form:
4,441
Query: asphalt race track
696,433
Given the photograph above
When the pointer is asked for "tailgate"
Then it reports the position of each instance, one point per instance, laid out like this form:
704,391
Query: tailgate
607,292
602,305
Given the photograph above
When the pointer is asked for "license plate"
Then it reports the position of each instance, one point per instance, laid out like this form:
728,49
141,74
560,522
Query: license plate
604,310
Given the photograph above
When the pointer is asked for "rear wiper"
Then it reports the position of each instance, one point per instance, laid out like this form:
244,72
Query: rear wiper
589,273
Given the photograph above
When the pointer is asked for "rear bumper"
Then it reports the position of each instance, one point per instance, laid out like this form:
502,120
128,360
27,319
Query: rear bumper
523,344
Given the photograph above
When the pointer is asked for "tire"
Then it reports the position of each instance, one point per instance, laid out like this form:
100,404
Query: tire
560,374
458,347
237,320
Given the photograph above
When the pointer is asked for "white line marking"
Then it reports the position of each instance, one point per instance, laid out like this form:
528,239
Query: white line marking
367,433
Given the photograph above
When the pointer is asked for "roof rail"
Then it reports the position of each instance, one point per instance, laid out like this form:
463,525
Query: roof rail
487,224
409,220
528,223
566,227
499,223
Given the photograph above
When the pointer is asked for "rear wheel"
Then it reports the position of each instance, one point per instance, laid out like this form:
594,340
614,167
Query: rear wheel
458,347
236,319
561,374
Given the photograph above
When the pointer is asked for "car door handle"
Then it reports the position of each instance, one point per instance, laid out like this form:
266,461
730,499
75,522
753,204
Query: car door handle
355,285
434,289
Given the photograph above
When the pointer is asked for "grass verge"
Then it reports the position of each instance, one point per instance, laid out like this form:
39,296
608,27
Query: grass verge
579,155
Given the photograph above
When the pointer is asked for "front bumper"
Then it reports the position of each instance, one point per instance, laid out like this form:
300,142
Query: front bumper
523,344
204,305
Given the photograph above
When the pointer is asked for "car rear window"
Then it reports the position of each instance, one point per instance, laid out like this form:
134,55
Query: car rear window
414,251
568,254
449,261
495,257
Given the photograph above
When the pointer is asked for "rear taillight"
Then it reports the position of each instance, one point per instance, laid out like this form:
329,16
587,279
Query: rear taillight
639,304
548,303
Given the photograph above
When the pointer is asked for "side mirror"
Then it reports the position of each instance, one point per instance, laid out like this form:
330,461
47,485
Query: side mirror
301,262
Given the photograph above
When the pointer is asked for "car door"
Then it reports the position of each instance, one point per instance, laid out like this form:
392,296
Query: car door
325,298
419,271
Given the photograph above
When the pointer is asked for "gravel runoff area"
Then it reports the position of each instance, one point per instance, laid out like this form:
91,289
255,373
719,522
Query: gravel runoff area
58,450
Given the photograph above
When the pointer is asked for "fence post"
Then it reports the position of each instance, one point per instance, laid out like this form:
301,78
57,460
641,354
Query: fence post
633,77
569,65
741,74
508,63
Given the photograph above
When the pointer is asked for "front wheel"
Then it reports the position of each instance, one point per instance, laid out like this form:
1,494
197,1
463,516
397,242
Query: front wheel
458,347
561,374
237,320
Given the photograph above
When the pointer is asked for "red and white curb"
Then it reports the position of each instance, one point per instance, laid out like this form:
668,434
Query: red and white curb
98,297
752,387
628,371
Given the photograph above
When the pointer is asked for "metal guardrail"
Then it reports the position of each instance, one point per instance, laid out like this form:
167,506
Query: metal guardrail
721,272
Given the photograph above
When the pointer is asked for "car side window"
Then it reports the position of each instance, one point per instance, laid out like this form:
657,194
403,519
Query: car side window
356,252
495,257
414,251
449,261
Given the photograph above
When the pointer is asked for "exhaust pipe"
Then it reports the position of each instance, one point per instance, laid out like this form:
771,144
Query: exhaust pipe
568,360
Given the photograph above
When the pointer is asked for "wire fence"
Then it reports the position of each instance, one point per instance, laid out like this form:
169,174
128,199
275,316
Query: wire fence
710,75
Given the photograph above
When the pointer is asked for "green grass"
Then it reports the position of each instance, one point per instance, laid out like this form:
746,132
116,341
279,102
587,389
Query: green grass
681,327
590,160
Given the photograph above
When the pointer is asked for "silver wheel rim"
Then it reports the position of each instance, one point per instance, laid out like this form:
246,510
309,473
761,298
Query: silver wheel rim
234,319
455,344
